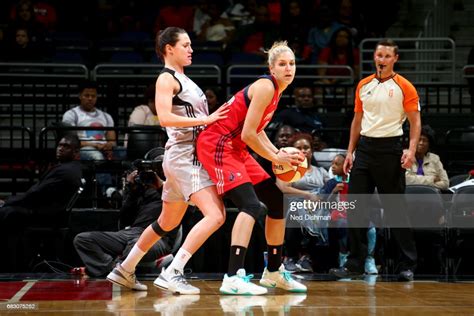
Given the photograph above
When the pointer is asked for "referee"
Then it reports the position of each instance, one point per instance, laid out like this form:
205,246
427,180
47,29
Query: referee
383,101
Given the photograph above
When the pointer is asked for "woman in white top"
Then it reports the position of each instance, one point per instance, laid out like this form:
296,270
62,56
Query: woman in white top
182,109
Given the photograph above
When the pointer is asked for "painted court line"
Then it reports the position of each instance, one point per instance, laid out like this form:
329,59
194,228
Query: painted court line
17,297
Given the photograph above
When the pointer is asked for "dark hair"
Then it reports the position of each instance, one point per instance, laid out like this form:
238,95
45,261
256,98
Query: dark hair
427,131
388,42
296,137
87,84
150,93
340,155
74,140
30,6
349,49
168,36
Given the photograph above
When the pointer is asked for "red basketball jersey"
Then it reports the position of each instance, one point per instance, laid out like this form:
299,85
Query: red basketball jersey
239,104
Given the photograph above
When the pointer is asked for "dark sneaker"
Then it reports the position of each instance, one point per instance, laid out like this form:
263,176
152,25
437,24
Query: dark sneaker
344,273
305,264
406,275
290,264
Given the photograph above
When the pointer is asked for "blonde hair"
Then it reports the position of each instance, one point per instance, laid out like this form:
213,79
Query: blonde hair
276,49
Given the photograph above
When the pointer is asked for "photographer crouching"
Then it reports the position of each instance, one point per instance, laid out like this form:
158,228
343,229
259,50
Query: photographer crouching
142,205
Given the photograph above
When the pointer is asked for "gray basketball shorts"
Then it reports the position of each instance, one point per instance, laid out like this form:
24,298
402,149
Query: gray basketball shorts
184,173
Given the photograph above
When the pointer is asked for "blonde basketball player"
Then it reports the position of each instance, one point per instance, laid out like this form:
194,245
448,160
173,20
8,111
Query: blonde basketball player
222,149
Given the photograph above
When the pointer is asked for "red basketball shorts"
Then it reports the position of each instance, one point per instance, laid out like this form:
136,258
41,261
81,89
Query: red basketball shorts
227,166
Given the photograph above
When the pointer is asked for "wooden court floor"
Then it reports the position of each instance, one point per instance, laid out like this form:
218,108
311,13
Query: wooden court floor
46,295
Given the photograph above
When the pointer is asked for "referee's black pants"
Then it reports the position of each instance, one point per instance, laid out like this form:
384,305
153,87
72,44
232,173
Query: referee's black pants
377,165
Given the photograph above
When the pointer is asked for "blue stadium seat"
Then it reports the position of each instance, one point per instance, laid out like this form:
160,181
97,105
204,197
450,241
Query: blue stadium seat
124,57
208,58
246,58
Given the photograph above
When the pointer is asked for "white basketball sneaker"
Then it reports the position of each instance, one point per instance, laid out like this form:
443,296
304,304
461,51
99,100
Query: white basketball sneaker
240,284
175,282
123,278
281,279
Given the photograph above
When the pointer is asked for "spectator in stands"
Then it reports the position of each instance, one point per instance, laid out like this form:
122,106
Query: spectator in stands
45,13
24,17
336,189
274,10
324,154
175,13
282,137
427,168
321,33
339,52
21,49
348,15
253,38
42,11
303,114
294,28
242,12
142,204
44,204
318,143
95,144
201,16
145,114
307,188
218,28
214,98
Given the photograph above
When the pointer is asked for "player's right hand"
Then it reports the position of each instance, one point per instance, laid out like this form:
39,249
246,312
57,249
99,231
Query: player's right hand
347,163
290,157
219,114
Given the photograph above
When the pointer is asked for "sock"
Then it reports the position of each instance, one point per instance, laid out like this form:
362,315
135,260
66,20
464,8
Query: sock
236,259
274,257
371,240
179,261
133,258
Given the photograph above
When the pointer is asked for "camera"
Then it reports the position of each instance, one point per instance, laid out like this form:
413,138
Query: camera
147,171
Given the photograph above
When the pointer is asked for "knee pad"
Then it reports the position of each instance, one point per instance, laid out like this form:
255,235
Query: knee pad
157,229
245,199
253,210
272,197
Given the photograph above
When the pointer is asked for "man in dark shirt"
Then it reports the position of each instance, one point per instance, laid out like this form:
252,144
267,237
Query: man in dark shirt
303,115
141,206
45,203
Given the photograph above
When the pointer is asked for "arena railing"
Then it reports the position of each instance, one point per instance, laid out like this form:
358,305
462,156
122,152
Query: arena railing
17,159
123,85
422,60
36,94
339,93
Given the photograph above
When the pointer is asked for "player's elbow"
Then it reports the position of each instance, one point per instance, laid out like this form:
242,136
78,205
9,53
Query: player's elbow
164,121
248,137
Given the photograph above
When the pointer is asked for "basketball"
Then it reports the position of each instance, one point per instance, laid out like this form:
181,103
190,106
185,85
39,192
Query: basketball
288,173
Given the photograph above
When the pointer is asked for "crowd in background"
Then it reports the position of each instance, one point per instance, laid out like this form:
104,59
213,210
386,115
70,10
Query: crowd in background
31,30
